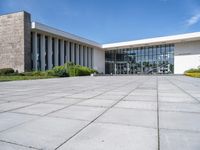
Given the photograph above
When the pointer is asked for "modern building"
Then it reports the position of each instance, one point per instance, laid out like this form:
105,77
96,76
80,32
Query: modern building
27,45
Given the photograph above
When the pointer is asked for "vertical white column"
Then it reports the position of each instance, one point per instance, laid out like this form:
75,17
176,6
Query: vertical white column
67,51
62,52
77,54
35,55
92,57
49,52
42,52
56,52
72,52
86,51
89,57
81,55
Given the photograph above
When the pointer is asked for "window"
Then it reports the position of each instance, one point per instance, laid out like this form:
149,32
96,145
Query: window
149,59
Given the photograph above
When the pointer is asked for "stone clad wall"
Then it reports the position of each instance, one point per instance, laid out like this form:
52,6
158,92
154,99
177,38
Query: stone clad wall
15,48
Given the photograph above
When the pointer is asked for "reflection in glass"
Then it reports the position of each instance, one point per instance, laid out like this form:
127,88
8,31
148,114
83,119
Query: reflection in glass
142,60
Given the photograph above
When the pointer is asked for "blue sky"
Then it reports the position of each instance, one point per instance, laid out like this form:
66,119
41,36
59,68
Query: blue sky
106,21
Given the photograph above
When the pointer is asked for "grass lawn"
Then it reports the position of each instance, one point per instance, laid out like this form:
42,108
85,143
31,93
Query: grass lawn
16,77
196,75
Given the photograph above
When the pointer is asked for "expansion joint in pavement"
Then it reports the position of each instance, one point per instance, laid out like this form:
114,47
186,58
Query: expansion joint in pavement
100,114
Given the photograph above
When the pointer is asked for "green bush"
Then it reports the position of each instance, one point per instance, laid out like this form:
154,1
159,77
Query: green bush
77,70
6,71
70,67
60,71
50,73
193,70
83,71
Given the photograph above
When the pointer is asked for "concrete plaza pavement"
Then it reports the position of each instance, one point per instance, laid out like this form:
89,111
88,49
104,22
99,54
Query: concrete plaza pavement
101,113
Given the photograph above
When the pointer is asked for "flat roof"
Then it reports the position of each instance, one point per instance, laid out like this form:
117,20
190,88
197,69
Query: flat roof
154,41
48,29
127,44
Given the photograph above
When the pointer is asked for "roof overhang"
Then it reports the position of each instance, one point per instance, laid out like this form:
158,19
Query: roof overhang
154,41
56,32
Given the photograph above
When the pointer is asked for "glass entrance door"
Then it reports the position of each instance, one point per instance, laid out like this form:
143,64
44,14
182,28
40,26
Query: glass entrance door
122,68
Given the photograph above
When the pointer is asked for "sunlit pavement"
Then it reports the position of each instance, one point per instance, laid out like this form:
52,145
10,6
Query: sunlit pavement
101,113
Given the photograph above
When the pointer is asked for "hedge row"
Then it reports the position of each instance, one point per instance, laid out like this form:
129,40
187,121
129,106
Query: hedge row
71,70
68,70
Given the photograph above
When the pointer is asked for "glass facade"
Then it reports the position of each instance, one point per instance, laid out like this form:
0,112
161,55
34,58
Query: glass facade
157,59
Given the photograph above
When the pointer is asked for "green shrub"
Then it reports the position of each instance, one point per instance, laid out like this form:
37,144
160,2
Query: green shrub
60,71
77,70
50,73
6,71
193,70
83,71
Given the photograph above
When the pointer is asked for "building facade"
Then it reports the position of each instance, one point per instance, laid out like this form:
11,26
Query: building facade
27,45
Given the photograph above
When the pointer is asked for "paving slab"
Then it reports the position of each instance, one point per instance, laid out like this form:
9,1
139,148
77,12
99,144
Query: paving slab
85,95
9,120
79,112
100,136
133,117
1,102
98,103
140,98
109,97
12,105
179,140
147,105
177,99
183,107
40,109
180,120
44,133
9,146
142,92
176,94
65,100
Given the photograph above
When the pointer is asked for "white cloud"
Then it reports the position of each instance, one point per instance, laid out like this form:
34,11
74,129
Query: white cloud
193,20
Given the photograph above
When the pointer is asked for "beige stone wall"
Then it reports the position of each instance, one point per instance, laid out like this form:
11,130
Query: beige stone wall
15,51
